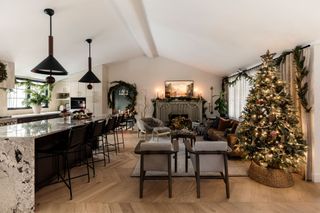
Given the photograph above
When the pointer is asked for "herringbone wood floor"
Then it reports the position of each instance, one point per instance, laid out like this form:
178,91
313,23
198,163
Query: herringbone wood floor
113,190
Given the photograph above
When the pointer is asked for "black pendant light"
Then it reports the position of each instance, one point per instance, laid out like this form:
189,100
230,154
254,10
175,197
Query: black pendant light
50,66
89,77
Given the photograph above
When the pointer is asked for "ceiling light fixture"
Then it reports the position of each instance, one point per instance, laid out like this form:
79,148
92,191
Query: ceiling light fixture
50,66
89,77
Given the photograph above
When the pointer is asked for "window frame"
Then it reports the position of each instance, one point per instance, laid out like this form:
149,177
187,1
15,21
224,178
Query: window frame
32,80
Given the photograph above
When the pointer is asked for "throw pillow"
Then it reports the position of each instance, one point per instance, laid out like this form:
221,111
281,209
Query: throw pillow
234,127
227,131
223,124
215,123
236,132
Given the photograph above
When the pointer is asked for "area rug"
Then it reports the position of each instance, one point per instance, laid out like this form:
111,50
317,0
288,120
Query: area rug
237,168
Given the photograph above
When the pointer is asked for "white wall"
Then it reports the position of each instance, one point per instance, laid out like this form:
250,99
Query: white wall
315,112
149,75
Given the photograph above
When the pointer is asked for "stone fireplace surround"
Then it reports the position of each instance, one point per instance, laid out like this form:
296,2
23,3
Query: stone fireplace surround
191,108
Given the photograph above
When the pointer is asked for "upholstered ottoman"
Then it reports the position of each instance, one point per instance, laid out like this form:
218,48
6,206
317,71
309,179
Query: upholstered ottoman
160,131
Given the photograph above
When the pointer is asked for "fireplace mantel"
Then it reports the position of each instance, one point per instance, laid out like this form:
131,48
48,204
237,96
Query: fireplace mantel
192,108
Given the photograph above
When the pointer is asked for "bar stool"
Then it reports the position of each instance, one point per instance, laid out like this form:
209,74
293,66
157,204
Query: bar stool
96,142
109,130
76,144
118,127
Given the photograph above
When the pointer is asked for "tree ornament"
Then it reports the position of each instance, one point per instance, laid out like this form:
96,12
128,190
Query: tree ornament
274,134
260,101
272,117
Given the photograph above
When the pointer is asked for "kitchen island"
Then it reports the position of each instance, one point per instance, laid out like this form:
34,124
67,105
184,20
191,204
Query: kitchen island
17,160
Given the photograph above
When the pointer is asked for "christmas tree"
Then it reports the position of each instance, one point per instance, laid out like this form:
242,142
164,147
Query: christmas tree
269,133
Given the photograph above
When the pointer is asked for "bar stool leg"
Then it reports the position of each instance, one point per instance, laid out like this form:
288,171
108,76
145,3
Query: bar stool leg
87,162
107,145
69,178
103,152
122,137
115,142
93,167
118,145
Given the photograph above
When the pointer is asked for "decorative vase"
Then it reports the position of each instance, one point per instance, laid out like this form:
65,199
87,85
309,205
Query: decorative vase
271,177
36,109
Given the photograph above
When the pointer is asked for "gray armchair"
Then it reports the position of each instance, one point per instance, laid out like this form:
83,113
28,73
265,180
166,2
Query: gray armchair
151,123
155,157
141,128
209,157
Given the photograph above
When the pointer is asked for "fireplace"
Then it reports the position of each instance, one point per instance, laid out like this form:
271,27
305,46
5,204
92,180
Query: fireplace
192,109
172,116
179,121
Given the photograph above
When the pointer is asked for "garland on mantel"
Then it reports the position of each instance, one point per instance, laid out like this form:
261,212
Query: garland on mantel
3,72
169,99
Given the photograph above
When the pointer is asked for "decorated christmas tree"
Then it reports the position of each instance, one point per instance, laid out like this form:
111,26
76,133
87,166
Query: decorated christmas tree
269,133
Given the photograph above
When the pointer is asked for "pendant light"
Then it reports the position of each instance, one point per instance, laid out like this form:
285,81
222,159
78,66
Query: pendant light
89,77
50,66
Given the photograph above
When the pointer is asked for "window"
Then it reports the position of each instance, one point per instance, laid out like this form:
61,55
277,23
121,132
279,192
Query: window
237,95
16,96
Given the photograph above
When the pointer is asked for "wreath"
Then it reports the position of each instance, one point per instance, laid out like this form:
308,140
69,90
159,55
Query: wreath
3,72
131,96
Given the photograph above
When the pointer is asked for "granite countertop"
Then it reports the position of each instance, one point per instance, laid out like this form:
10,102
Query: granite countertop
42,128
35,115
14,117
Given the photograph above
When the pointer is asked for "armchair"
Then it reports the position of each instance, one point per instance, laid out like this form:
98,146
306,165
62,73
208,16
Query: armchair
141,128
155,157
209,156
154,126
151,123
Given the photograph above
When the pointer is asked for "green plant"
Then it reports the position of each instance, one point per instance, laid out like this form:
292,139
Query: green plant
37,94
221,105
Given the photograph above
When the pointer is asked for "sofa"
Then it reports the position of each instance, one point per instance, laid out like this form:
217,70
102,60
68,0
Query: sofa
222,129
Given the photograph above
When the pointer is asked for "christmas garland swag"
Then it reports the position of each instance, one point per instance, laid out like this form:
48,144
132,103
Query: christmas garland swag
3,72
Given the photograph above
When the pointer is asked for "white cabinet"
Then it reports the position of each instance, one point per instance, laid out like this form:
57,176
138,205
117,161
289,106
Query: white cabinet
63,99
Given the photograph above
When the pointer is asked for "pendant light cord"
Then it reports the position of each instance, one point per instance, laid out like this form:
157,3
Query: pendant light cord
50,25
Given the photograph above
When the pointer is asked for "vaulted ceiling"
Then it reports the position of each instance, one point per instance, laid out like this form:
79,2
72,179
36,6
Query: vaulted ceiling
212,35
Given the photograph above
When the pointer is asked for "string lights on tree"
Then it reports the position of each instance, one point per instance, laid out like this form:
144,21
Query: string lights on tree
269,133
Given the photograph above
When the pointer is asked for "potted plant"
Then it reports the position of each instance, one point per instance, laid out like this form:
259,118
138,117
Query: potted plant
221,105
37,95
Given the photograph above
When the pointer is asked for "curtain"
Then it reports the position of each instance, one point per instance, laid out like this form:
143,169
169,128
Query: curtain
288,74
237,95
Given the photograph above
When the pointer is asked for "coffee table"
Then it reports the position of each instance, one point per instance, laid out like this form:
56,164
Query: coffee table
184,134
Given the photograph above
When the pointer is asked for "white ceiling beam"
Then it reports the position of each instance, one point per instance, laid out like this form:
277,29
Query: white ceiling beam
133,14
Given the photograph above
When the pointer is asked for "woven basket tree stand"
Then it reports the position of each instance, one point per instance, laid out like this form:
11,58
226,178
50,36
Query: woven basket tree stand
271,177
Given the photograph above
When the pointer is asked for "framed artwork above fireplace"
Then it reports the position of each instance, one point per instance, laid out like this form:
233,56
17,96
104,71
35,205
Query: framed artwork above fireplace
178,88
